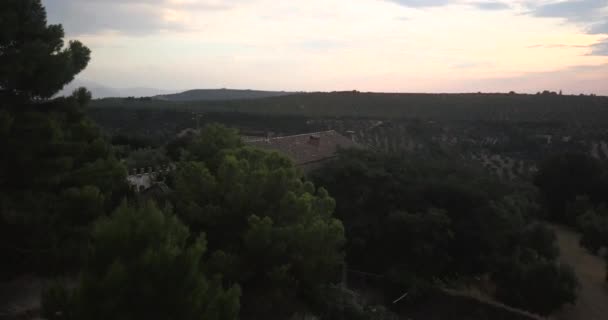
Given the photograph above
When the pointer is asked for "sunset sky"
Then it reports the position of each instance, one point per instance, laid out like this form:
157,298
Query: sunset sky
324,45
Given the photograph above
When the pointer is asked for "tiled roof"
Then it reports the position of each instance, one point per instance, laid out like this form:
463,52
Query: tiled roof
307,148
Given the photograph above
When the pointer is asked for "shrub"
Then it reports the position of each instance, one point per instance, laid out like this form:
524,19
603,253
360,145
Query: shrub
143,264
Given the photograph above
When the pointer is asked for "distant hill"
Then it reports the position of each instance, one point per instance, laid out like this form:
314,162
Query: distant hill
542,107
220,95
507,133
100,91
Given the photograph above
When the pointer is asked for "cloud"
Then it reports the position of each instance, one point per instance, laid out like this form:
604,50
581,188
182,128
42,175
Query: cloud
321,44
132,17
572,10
493,5
556,46
600,48
599,28
573,80
482,5
587,13
421,3
472,65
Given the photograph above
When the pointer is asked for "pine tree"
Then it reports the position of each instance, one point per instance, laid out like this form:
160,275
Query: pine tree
268,229
57,173
143,263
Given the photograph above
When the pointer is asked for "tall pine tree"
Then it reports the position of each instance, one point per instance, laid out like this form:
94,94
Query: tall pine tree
57,173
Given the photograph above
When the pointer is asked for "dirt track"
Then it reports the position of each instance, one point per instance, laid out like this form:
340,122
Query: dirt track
591,271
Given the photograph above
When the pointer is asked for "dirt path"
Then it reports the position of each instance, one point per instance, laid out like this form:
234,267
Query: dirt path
591,271
20,298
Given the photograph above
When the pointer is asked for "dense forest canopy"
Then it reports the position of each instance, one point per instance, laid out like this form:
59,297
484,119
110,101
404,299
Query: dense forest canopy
543,107
441,220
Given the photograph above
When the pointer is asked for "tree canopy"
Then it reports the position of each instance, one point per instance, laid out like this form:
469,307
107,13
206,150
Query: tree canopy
33,60
144,264
417,220
267,228
564,177
57,173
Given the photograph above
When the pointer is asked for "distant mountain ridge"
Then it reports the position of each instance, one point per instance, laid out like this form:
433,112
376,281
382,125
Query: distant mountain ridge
100,91
220,95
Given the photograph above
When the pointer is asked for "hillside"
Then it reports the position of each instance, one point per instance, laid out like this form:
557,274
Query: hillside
100,91
220,95
506,133
547,107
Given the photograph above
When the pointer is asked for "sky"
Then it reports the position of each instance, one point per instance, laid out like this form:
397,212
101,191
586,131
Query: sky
327,45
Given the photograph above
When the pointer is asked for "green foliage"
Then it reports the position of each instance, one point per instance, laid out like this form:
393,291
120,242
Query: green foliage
56,302
144,158
221,94
143,264
375,195
536,285
58,178
267,229
211,142
419,238
34,63
465,225
529,276
541,239
439,107
594,228
577,208
564,177
57,174
573,187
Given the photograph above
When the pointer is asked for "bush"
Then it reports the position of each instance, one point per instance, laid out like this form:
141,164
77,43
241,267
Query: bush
143,264
594,229
563,178
541,239
536,285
